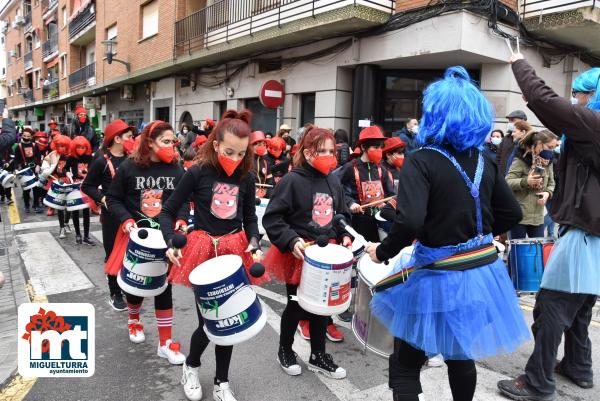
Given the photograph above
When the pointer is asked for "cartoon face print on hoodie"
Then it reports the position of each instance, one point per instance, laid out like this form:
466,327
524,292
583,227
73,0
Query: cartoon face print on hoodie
372,190
82,169
224,200
322,212
151,202
60,167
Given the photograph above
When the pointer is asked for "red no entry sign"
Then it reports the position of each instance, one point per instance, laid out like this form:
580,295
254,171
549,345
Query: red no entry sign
272,94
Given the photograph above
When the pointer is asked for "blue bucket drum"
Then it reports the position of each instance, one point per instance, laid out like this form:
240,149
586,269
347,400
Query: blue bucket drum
144,270
76,200
231,310
527,260
56,197
27,178
7,179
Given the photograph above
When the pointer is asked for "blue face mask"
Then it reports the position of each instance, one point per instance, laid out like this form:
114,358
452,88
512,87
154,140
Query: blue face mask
546,154
574,101
557,150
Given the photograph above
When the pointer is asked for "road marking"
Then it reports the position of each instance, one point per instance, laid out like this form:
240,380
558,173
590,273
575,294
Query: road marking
50,268
45,224
13,211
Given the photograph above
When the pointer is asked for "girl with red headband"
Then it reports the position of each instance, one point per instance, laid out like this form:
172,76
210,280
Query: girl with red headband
54,167
223,192
77,168
118,143
278,160
258,141
301,209
140,187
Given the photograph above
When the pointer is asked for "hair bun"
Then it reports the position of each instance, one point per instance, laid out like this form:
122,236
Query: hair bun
457,72
244,115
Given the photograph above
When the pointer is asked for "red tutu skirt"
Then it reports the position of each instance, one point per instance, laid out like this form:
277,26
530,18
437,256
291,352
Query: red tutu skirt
283,266
200,248
115,260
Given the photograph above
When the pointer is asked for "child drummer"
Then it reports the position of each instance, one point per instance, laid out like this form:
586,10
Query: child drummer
301,209
222,188
140,187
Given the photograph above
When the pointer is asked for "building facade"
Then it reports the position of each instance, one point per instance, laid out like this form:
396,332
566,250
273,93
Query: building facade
340,61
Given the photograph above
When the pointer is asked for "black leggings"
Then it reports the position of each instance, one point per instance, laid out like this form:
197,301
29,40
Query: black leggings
86,222
110,227
161,302
63,217
198,344
292,314
405,370
27,198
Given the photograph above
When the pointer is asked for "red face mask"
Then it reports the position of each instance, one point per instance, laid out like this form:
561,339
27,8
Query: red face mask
42,146
275,152
398,162
128,145
82,119
61,150
260,150
80,152
324,164
375,155
166,154
228,165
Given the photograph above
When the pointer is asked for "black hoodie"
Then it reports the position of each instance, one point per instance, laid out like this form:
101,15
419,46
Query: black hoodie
303,205
367,171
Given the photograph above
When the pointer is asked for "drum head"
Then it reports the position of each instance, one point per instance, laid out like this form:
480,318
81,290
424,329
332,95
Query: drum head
154,240
372,272
331,254
215,269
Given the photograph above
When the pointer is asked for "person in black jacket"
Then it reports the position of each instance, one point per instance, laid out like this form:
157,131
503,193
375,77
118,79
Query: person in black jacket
279,162
77,167
261,168
571,282
222,188
342,148
82,125
393,154
8,136
26,155
118,143
301,209
140,187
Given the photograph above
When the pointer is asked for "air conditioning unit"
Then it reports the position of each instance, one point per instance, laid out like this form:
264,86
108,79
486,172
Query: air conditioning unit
12,53
127,92
14,25
5,28
19,20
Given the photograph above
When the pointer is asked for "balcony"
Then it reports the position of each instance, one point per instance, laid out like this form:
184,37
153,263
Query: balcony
50,90
48,6
28,95
572,22
83,77
50,48
81,26
232,27
28,60
27,22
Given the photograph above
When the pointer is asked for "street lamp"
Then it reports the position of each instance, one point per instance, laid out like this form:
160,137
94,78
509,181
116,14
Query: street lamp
108,46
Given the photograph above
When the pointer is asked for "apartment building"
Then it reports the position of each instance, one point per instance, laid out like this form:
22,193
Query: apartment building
340,61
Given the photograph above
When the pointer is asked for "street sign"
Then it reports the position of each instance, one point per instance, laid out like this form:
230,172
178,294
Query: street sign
272,94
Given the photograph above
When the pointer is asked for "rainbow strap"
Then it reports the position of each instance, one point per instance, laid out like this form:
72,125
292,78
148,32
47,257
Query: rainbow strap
470,259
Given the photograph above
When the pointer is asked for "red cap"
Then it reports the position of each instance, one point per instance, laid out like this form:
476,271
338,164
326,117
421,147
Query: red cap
257,136
52,121
115,128
356,153
210,122
40,134
392,144
200,139
372,132
80,109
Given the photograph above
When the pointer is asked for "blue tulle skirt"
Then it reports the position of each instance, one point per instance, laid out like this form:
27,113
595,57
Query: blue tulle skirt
471,314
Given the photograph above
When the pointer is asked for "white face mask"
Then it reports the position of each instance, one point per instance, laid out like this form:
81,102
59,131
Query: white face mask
510,127
415,129
496,141
574,100
185,131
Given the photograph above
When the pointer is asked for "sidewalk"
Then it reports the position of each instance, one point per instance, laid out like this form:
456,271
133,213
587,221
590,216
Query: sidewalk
12,294
529,300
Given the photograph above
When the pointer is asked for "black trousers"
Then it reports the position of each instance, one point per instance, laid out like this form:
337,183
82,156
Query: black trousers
110,226
63,217
27,198
556,313
5,192
86,222
405,370
161,302
366,225
292,314
198,344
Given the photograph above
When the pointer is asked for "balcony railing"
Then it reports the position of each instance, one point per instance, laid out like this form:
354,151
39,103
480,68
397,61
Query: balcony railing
27,21
48,5
226,20
85,76
538,8
50,90
50,46
28,60
83,19
28,95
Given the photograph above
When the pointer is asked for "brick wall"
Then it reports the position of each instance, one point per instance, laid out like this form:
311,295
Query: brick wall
14,66
404,5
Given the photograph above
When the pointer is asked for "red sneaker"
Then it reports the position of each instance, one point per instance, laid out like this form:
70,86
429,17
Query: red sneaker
303,329
334,334
50,212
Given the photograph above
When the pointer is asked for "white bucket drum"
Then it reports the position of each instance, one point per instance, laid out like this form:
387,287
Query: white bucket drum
231,310
358,249
7,179
27,178
326,279
260,212
56,197
144,271
373,335
76,201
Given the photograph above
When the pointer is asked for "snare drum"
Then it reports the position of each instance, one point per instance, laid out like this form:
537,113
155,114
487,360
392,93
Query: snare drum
527,261
27,178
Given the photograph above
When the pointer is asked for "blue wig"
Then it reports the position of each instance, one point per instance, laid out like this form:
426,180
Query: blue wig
587,82
455,112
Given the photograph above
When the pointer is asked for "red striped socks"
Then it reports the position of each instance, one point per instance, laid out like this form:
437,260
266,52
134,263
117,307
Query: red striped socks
164,321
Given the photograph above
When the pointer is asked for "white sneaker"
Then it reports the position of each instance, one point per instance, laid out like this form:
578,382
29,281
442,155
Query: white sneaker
222,392
191,383
136,331
61,233
68,229
435,362
171,352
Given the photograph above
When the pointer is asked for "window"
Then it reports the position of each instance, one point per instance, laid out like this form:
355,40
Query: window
36,39
37,79
18,50
307,108
150,19
65,19
162,113
263,119
111,34
63,65
3,71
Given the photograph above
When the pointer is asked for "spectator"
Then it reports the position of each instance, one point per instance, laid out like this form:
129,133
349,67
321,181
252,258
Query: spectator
81,126
182,137
284,132
342,148
490,148
408,134
508,147
549,223
531,178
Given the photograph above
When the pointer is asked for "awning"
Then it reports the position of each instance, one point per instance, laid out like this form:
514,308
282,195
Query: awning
51,19
78,7
52,63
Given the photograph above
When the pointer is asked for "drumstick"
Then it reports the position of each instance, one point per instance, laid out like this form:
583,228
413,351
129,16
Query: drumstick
378,202
264,185
339,219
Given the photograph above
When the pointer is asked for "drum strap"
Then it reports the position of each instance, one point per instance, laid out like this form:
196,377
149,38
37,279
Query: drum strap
22,153
215,240
361,195
110,166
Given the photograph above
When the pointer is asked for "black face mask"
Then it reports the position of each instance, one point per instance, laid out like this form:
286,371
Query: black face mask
25,140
